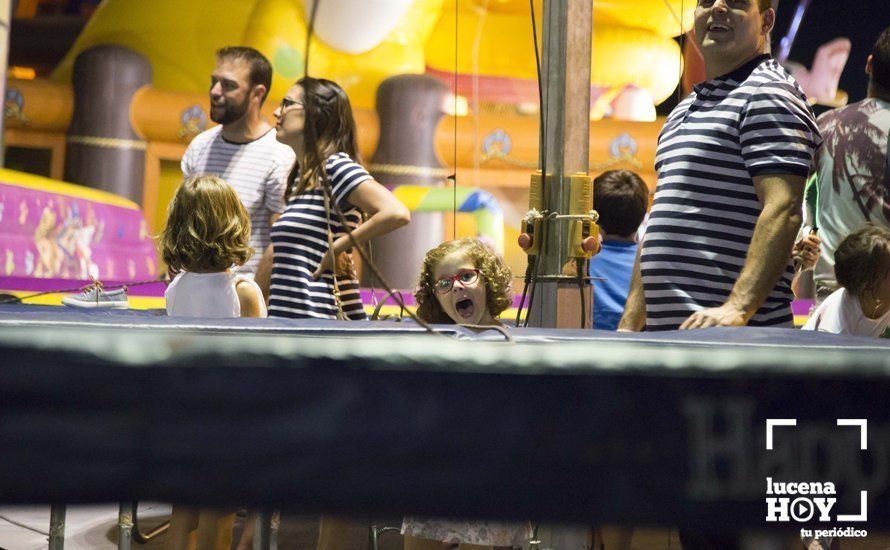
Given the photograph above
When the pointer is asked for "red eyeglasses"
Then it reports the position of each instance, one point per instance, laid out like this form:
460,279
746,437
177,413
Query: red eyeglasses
465,277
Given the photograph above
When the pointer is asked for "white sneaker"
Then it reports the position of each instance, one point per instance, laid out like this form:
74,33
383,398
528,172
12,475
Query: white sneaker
94,296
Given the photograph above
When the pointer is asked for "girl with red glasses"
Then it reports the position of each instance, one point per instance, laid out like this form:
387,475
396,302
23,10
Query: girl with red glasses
463,282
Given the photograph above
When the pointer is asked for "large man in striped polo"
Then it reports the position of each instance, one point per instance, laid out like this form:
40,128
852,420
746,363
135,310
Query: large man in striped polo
732,159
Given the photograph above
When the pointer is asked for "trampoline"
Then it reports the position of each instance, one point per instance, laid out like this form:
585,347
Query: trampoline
383,418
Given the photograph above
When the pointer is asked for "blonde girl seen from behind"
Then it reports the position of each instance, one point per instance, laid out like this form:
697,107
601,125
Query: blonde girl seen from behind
207,233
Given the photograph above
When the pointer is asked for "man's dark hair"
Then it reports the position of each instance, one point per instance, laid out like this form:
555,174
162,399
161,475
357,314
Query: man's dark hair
621,197
260,68
764,5
880,61
862,260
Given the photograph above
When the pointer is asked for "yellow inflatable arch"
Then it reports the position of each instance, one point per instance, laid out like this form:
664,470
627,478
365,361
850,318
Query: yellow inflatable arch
620,56
631,40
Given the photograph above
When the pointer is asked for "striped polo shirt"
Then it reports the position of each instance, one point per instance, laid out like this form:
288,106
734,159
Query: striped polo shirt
257,170
300,241
754,121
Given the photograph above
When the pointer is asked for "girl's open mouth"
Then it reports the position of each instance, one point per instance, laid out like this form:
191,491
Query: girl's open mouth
465,308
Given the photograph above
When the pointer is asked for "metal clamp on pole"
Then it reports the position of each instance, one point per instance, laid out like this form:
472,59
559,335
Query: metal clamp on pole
583,232
530,235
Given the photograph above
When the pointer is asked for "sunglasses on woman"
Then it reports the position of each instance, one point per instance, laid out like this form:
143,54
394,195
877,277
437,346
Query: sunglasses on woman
287,103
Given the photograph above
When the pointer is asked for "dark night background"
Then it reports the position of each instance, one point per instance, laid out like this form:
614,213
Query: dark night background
859,20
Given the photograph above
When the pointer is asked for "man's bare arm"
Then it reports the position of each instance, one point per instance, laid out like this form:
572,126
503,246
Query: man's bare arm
634,317
774,235
263,276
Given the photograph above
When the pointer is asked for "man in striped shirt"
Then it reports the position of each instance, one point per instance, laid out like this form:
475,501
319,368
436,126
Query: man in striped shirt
732,160
243,150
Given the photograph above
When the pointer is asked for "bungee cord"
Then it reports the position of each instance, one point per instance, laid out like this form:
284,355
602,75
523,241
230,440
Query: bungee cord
453,176
531,269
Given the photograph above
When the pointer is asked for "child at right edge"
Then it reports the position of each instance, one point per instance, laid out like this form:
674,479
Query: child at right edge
861,306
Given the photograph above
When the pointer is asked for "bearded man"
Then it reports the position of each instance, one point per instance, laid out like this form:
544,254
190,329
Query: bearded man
243,150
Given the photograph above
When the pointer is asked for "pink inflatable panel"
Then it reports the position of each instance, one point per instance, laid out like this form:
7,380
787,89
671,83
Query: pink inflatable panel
49,229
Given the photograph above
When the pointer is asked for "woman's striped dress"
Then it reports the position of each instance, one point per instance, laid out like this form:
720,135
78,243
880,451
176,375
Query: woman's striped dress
300,241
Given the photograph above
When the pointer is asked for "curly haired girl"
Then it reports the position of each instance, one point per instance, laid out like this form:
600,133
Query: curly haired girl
463,282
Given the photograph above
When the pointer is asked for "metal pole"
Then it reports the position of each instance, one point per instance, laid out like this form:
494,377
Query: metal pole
126,512
566,137
5,20
788,40
57,527
567,33
262,533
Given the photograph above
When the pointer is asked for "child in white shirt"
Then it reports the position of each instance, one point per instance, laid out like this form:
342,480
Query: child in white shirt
208,232
862,305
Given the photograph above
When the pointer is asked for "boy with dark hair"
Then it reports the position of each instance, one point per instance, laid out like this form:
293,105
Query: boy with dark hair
621,198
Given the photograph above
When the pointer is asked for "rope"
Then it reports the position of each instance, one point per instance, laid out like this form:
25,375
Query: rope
325,185
20,299
531,270
108,142
477,41
500,328
682,49
338,303
309,31
23,526
580,265
376,315
453,176
411,170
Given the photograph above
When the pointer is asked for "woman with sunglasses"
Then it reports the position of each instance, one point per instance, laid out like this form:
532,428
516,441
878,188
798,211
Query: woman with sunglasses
312,274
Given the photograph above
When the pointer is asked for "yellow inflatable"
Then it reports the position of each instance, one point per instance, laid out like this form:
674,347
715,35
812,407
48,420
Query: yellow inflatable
179,39
659,16
359,44
621,56
278,29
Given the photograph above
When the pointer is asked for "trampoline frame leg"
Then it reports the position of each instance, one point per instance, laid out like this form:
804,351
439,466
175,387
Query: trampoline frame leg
126,512
374,533
57,527
262,533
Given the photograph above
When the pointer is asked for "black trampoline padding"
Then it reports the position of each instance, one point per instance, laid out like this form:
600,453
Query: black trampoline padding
563,425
